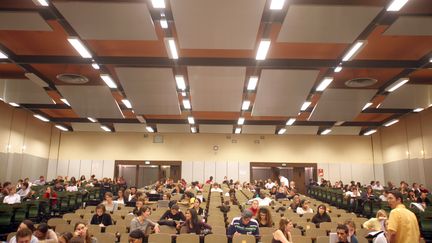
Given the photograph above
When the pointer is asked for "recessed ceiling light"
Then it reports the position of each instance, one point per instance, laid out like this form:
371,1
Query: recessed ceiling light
186,104
263,49
149,129
106,129
281,131
79,47
109,81
127,103
183,94
3,55
253,80
62,128
95,66
324,83
389,123
158,3
290,121
397,84
193,129
418,109
245,105
338,69
163,23
43,3
13,104
238,130
172,48
305,105
180,81
277,4
91,119
353,51
370,132
396,5
42,118
367,105
241,121
325,132
65,101
191,120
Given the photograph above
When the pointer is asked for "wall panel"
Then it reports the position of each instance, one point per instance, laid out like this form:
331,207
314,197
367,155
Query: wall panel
85,168
187,170
198,171
221,171
74,168
108,168
233,170
97,168
209,170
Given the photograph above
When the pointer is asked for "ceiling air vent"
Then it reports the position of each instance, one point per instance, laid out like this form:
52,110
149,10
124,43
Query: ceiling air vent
71,78
360,82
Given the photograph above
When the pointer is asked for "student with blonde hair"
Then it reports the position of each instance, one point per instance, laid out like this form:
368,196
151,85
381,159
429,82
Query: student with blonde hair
377,223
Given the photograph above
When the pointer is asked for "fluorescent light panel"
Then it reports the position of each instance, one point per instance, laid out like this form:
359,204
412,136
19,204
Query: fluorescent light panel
241,121
106,129
281,131
396,5
183,94
277,4
127,103
418,109
191,120
353,51
367,105
253,80
109,81
3,55
397,84
245,105
65,101
13,104
91,119
389,123
62,128
305,105
237,130
186,104
163,23
370,132
193,129
324,83
338,69
172,48
263,49
42,118
43,2
95,66
79,47
158,3
149,129
141,119
325,132
290,121
180,81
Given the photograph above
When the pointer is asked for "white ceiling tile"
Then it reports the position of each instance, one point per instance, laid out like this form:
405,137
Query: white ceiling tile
258,129
173,128
411,25
341,104
342,130
86,127
24,21
409,96
282,92
216,88
301,130
222,24
325,23
91,101
206,128
23,91
152,91
109,20
129,127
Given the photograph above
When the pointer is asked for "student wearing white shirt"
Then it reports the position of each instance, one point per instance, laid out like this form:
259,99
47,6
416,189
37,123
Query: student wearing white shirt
24,190
377,186
304,207
13,197
284,181
216,188
270,184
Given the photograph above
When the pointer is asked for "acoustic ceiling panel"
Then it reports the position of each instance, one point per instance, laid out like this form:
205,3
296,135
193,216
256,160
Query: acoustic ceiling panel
409,96
301,130
345,130
152,91
282,92
258,129
23,21
325,23
222,24
126,127
23,91
91,101
205,128
173,128
86,127
411,25
341,104
216,88
120,20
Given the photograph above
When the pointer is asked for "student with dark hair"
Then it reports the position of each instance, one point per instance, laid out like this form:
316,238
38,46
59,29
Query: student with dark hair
402,223
351,231
283,233
25,225
101,218
342,233
110,204
192,224
65,237
136,236
264,217
244,225
80,230
44,234
172,215
321,215
197,207
142,222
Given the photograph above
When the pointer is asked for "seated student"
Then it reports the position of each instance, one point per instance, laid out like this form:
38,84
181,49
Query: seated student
26,225
273,191
351,231
342,232
65,237
101,218
283,233
138,204
121,198
424,200
216,188
225,207
296,203
136,236
13,197
142,222
24,236
110,204
197,207
44,234
321,215
264,218
192,224
263,200
412,196
188,199
383,197
172,215
378,223
254,207
133,191
243,225
80,231
304,207
24,191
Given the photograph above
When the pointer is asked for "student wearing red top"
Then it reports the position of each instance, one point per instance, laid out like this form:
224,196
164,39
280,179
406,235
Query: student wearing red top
254,208
52,195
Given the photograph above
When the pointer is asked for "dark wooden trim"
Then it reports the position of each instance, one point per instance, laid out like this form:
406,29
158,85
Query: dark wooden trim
142,162
287,164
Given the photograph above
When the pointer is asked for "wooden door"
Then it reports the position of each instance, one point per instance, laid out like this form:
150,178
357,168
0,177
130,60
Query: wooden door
299,179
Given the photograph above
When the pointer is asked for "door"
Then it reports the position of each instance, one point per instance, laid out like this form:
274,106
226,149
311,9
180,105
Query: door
299,179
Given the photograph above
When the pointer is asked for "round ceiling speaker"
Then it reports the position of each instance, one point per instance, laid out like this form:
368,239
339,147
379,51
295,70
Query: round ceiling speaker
360,82
72,78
